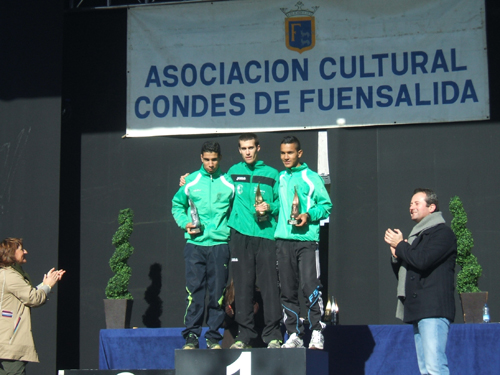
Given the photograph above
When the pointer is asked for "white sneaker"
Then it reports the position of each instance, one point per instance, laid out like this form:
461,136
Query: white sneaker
317,340
293,341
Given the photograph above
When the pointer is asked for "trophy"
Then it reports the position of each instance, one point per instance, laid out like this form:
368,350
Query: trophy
332,312
335,312
195,219
327,318
295,209
261,215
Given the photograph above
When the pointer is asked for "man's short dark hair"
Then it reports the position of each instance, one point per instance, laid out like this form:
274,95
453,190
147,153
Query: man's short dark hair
210,146
248,137
430,197
289,139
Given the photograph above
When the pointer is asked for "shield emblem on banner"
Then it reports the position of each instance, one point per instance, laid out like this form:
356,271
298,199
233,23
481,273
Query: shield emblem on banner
300,33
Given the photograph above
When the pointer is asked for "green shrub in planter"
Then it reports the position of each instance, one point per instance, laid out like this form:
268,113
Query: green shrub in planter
467,278
117,287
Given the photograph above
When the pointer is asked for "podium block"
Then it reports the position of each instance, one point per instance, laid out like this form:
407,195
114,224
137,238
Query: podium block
251,362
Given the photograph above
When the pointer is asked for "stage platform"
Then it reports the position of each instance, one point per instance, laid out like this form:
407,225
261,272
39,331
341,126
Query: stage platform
116,372
251,362
352,350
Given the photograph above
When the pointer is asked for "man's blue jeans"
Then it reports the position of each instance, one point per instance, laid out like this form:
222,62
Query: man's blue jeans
431,336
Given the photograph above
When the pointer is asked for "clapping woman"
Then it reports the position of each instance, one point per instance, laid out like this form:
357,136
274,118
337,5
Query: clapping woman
17,296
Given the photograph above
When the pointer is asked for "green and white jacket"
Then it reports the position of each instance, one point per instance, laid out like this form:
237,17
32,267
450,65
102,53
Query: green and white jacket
246,178
212,194
313,198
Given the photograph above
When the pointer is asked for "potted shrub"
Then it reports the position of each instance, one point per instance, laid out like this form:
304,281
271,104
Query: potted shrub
118,305
471,297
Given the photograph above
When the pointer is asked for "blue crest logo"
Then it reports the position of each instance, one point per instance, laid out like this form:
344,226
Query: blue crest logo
300,28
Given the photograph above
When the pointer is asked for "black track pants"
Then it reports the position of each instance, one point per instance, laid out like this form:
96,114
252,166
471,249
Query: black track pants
253,262
206,269
298,264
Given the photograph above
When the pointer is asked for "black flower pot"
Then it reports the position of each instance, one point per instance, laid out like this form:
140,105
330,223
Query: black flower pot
472,306
118,313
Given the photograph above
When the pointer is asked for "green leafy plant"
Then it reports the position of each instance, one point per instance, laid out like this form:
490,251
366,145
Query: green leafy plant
471,270
117,287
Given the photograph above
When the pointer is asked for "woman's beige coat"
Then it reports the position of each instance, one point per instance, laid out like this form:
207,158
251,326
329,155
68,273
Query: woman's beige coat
17,297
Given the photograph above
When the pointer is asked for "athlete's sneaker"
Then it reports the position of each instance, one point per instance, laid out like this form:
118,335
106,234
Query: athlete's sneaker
212,344
317,340
274,344
293,341
191,342
240,345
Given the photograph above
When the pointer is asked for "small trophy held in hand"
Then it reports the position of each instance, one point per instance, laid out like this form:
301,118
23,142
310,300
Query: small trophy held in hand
195,219
295,209
261,215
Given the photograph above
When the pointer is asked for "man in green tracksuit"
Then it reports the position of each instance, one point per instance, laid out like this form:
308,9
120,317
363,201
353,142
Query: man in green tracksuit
297,244
253,250
206,254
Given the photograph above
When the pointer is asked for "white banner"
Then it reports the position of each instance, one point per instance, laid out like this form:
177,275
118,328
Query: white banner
260,65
